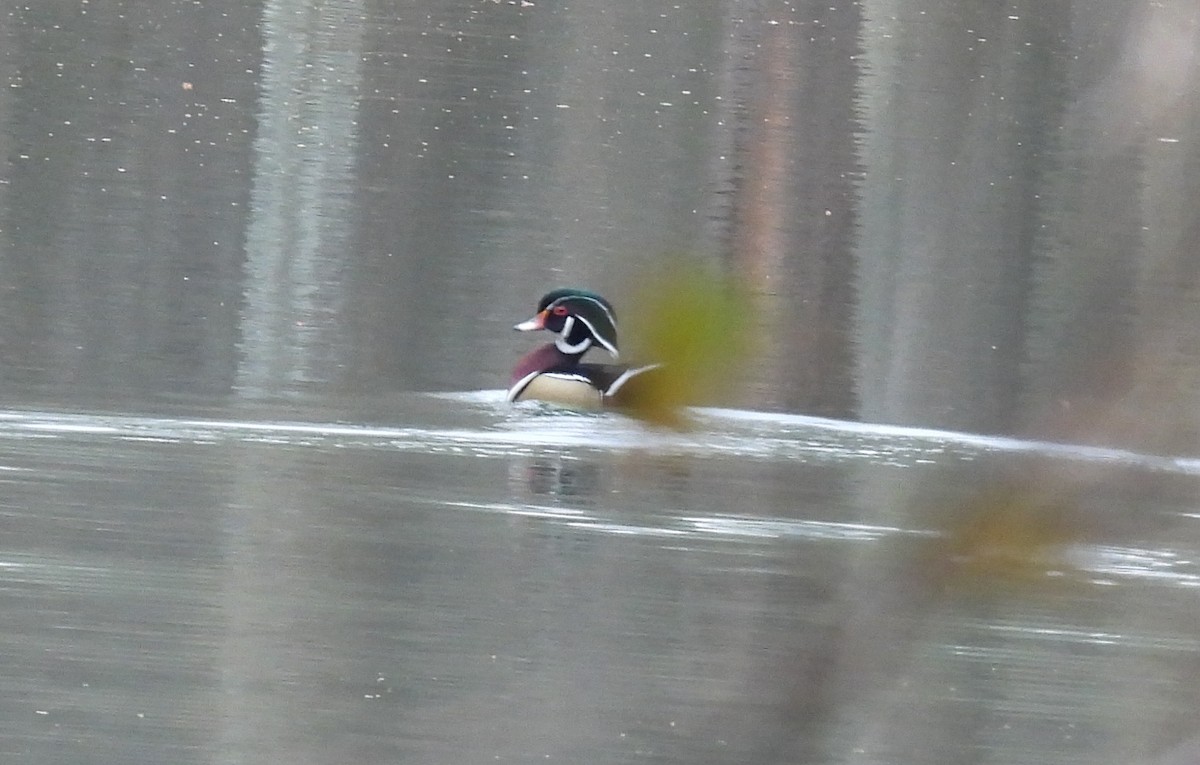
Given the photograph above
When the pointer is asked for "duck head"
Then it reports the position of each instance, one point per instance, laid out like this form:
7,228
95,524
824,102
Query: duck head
578,318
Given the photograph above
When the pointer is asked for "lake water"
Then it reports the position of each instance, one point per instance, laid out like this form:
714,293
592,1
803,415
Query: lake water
264,501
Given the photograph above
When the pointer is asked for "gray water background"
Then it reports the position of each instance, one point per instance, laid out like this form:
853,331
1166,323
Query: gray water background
263,503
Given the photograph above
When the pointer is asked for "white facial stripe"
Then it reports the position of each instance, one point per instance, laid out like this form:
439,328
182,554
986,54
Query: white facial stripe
612,319
603,307
599,336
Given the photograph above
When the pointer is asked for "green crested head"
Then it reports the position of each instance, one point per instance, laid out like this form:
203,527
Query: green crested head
579,318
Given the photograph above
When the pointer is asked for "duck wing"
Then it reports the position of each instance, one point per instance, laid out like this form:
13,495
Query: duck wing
611,378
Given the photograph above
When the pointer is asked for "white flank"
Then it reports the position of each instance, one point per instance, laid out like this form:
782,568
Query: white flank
524,382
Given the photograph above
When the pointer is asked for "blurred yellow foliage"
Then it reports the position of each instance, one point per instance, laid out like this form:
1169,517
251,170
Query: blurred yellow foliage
693,322
1008,534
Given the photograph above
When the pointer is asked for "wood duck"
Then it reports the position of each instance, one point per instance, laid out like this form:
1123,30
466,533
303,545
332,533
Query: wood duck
554,372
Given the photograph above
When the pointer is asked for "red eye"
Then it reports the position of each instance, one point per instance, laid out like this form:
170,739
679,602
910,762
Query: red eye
560,310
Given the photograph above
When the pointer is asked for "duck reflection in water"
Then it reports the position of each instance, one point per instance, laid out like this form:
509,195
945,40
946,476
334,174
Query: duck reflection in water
555,476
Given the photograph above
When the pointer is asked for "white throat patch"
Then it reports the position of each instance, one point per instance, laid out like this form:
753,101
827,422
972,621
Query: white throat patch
564,345
561,343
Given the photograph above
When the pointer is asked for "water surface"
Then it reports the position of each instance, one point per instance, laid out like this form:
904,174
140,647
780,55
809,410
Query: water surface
528,584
